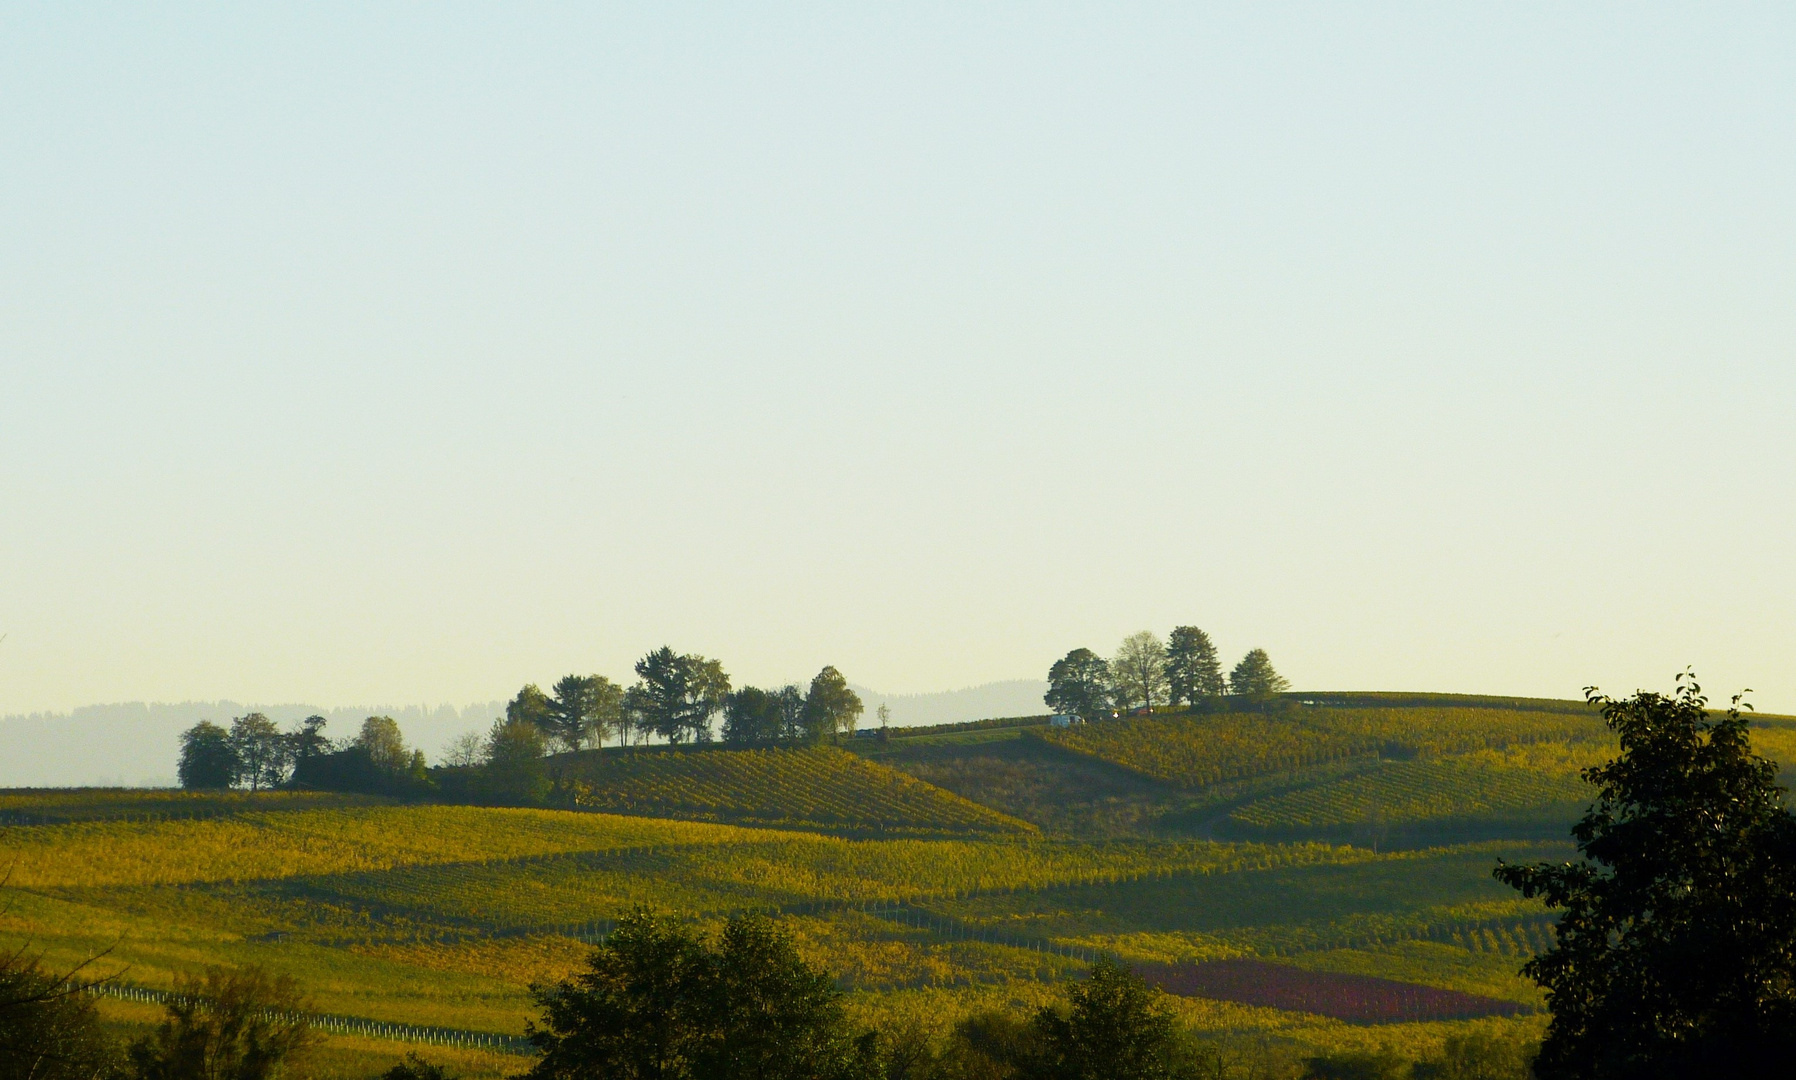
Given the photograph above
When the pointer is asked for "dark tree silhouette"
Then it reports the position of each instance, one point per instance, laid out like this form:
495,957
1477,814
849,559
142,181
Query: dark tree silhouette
1079,685
1116,1028
49,1028
242,1024
208,760
1193,673
656,1003
1676,953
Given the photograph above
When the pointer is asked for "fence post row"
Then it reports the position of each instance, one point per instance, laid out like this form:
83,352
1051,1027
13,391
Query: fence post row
348,1025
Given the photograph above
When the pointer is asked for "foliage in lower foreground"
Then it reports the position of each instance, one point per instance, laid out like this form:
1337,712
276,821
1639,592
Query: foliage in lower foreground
1676,952
658,1003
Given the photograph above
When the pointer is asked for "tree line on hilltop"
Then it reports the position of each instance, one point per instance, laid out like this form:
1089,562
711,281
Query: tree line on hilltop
677,698
1146,672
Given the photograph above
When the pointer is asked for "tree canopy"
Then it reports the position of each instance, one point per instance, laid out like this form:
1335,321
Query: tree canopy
584,709
238,1024
1138,671
208,760
1676,943
1079,685
676,696
658,1003
1193,673
830,707
1255,679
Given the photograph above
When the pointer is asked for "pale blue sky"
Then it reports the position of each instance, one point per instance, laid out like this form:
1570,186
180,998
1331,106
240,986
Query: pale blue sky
373,353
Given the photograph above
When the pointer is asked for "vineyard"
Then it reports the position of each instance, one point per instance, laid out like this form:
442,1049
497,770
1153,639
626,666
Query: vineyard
275,845
1197,751
809,787
1047,785
1411,793
61,806
934,875
1359,999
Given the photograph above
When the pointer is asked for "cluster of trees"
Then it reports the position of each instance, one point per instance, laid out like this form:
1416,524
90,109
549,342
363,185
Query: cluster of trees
1145,672
254,753
678,699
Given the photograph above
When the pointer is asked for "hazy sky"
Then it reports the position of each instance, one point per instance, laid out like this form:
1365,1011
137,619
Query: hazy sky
375,353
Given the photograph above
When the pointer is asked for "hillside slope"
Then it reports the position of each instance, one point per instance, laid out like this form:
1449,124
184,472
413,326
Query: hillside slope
1057,789
810,787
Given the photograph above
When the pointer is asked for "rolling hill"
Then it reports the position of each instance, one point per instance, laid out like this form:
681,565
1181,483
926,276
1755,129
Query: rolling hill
810,787
1314,878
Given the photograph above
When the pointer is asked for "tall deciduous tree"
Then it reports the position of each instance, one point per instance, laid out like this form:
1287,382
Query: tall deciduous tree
751,717
262,751
584,709
1139,670
1079,685
208,759
1255,679
677,696
308,740
383,742
1676,942
532,705
1193,673
830,707
513,772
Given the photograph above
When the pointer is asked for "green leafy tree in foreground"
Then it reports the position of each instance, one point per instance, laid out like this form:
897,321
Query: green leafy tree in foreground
830,707
1255,679
415,1067
1138,671
208,760
1676,943
657,1003
1193,673
49,1027
1079,685
1116,1028
227,1025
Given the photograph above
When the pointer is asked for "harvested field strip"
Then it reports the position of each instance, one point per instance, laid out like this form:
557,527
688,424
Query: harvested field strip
1356,999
